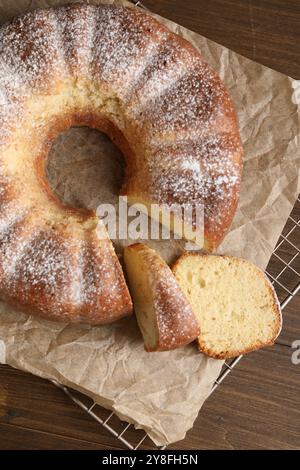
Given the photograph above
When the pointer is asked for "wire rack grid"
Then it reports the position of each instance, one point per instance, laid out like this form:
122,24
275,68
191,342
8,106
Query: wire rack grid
284,273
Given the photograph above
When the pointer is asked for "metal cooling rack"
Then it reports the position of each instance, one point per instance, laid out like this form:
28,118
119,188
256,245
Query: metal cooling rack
284,273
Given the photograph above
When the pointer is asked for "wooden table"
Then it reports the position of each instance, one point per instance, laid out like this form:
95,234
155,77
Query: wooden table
258,405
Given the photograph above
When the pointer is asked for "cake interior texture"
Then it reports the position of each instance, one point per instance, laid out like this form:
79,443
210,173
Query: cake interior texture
234,302
140,288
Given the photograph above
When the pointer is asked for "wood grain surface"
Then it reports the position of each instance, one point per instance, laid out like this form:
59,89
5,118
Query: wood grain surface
258,404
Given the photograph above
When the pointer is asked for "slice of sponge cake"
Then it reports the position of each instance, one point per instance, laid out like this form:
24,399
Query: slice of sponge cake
163,313
233,300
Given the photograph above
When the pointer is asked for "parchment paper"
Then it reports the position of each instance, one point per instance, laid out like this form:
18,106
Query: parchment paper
162,392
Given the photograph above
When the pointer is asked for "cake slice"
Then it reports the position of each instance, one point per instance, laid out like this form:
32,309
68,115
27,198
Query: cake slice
163,313
234,302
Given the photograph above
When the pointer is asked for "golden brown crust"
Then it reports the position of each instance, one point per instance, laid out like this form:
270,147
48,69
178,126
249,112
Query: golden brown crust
84,271
175,321
120,71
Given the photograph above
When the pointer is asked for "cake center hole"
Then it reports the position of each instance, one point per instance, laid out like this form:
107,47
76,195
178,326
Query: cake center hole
85,168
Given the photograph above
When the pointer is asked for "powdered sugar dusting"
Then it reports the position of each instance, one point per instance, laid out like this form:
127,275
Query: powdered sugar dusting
165,98
192,165
203,174
103,285
193,100
170,63
30,59
31,50
77,25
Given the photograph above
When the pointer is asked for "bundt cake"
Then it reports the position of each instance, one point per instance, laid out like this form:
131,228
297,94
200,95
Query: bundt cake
164,314
234,302
120,71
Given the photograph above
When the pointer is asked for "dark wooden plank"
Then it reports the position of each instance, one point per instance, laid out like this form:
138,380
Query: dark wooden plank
291,327
18,438
256,407
265,31
29,402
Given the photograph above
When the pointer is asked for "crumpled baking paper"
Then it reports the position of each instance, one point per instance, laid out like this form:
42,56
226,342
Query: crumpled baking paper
161,392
